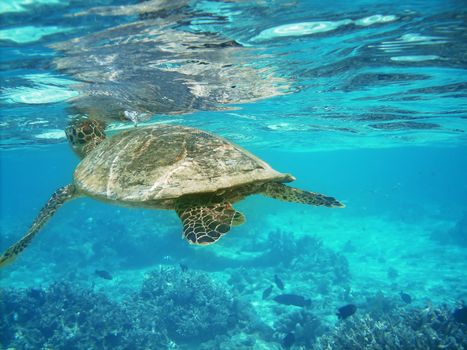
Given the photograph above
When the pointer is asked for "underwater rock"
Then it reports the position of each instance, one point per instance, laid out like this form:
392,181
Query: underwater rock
346,311
292,299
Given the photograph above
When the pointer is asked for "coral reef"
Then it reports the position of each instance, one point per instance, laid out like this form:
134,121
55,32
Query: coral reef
304,324
307,269
182,308
192,305
308,254
416,328
283,252
64,316
377,304
172,307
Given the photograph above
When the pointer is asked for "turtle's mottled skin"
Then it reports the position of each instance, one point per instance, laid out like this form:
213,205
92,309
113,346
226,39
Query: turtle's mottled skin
195,173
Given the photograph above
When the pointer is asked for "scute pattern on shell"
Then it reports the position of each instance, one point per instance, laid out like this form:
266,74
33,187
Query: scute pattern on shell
162,162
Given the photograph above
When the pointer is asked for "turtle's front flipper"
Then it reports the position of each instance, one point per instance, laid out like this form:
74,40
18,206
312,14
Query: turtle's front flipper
205,223
290,194
59,197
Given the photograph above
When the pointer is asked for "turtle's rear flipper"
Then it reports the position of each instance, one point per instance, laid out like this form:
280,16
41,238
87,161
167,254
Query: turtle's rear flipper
290,194
205,224
59,197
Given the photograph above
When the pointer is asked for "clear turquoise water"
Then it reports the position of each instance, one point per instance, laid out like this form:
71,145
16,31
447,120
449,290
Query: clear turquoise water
362,100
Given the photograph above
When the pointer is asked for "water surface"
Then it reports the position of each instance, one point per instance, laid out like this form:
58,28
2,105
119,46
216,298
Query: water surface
362,100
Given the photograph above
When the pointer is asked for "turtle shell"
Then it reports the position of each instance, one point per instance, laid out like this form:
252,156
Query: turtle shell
157,163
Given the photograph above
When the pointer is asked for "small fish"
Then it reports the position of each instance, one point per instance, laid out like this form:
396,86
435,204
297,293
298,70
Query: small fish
288,340
460,315
346,311
292,299
267,292
278,282
103,274
406,298
183,267
392,273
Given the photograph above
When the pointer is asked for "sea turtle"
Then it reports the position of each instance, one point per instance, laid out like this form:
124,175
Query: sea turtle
195,173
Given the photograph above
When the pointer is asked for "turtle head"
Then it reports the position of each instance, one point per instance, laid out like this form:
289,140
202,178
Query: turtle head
84,135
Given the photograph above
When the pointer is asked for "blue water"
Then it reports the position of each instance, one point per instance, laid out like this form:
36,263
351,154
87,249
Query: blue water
364,101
